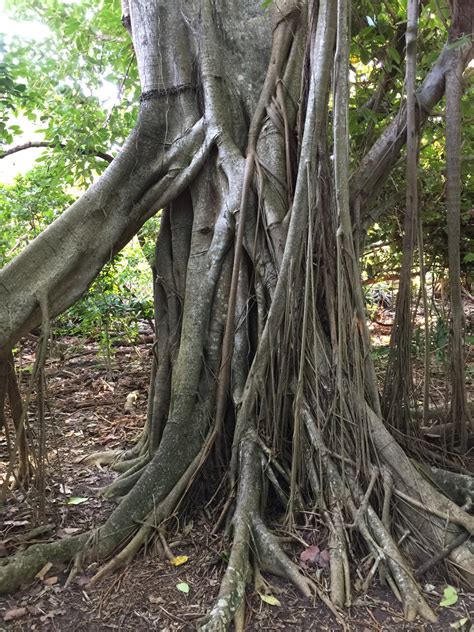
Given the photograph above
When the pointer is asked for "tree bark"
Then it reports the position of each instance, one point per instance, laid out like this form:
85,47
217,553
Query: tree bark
263,377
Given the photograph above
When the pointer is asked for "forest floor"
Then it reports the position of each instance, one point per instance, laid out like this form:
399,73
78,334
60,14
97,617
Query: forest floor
92,405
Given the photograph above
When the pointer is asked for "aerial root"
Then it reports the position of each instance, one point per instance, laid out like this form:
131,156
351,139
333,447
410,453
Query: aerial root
377,537
413,601
254,546
272,558
253,539
433,509
339,561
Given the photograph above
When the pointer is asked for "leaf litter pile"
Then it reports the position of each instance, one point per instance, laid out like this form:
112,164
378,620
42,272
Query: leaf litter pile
93,405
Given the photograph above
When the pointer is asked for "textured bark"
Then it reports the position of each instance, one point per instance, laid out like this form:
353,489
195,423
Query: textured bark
459,409
262,350
398,387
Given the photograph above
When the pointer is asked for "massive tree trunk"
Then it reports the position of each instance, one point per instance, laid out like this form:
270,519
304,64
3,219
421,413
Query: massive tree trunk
263,377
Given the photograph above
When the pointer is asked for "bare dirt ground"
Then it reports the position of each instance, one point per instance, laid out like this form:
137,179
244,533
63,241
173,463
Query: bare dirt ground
87,412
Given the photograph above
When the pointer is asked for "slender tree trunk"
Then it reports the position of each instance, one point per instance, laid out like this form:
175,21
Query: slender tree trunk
398,388
459,408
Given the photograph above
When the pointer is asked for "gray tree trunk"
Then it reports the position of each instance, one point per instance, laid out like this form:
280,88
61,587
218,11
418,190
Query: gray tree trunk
232,142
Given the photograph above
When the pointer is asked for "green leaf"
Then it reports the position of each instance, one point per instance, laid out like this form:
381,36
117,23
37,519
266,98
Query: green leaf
183,587
394,54
457,625
465,39
76,500
450,597
270,600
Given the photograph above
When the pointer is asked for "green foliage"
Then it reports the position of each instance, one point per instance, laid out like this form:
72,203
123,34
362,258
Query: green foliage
82,99
377,58
27,207
82,96
450,597
116,303
439,339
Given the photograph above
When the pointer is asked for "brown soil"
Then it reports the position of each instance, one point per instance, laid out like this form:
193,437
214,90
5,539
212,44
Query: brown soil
86,413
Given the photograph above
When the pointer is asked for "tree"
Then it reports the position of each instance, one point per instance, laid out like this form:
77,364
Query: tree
263,379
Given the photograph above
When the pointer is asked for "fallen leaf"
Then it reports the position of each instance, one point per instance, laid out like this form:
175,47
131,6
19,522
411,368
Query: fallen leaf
82,580
42,573
68,531
153,599
76,500
188,528
310,555
51,614
450,597
131,401
14,613
183,587
324,558
270,599
457,625
33,610
50,581
180,559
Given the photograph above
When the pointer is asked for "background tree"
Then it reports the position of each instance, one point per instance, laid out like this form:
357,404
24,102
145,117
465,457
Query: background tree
264,379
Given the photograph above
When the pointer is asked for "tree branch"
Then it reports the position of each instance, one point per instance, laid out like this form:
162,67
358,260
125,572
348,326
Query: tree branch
46,143
377,163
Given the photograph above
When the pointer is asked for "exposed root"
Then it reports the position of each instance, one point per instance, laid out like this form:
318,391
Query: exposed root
125,465
122,485
412,598
435,511
272,558
232,587
438,557
377,538
22,567
458,487
124,556
108,457
152,522
339,562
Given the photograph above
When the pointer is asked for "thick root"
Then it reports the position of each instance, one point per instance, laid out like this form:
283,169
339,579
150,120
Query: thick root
108,457
437,510
232,587
122,485
21,568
